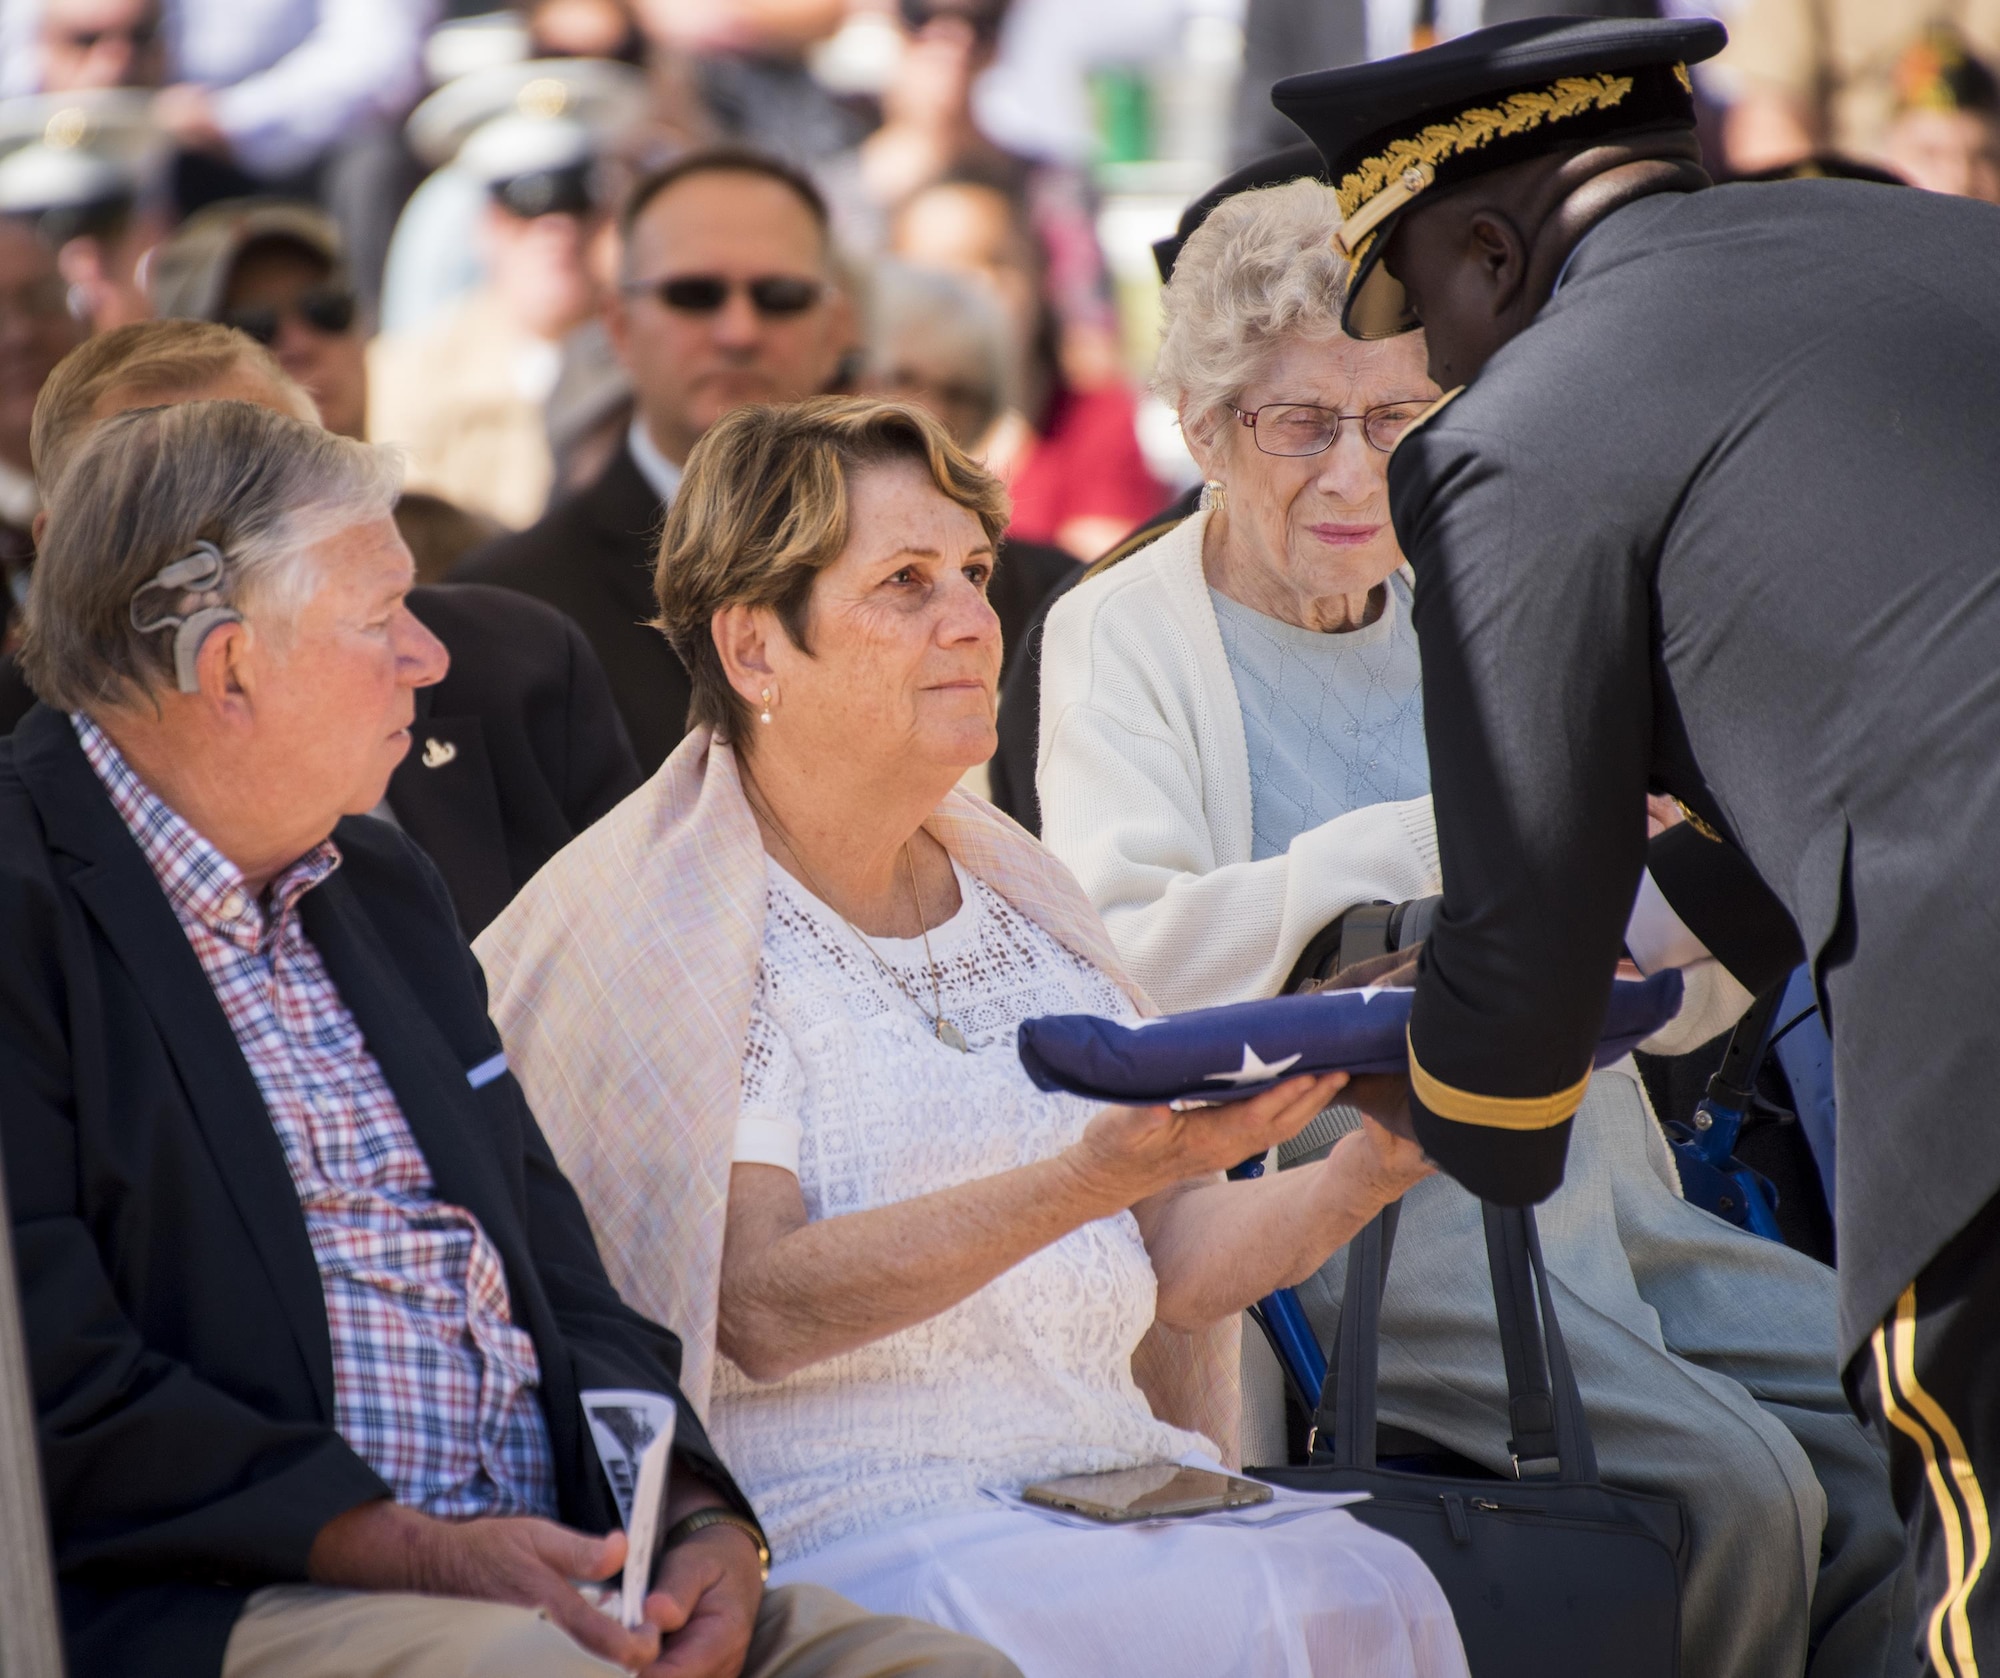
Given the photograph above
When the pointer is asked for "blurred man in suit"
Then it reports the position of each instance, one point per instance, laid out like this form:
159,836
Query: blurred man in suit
727,295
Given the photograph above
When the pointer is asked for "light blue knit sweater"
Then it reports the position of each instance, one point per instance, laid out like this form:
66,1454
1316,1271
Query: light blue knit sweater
1333,722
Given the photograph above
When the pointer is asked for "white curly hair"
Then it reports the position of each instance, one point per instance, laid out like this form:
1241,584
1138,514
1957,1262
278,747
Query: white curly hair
1259,272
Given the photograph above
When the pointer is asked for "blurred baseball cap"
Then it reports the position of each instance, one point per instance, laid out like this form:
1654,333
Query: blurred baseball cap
189,273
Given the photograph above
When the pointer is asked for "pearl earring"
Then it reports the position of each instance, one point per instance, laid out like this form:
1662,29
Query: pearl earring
765,714
1214,495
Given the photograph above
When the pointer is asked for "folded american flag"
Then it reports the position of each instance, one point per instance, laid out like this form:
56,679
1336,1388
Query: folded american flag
1226,1054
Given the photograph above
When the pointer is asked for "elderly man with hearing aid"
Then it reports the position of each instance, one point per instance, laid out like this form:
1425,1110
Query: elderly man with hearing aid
311,1313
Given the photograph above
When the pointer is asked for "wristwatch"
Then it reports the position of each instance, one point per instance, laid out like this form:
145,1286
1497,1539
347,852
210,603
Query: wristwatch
688,1525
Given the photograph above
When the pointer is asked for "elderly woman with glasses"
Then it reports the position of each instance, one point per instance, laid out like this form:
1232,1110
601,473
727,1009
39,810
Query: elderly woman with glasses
1232,756
768,1009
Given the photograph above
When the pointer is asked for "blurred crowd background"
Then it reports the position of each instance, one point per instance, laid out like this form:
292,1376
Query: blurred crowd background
414,203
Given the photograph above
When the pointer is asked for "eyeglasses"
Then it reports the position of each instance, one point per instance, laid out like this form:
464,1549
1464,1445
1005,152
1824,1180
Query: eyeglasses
1297,428
774,295
327,309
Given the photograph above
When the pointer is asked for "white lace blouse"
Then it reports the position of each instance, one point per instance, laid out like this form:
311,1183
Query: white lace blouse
845,1084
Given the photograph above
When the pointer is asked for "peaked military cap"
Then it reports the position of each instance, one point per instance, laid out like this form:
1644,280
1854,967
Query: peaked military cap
1392,131
532,133
1275,169
77,162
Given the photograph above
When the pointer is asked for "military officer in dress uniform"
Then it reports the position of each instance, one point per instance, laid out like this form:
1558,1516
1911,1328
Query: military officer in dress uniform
1710,510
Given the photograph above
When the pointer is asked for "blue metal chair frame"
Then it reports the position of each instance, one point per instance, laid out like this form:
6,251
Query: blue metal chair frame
1805,1055
1786,1024
1283,1320
1705,1150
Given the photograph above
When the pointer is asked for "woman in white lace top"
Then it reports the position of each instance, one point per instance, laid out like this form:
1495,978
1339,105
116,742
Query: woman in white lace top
934,1277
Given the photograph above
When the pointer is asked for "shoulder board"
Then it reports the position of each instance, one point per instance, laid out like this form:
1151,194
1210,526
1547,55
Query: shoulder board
1144,537
1429,414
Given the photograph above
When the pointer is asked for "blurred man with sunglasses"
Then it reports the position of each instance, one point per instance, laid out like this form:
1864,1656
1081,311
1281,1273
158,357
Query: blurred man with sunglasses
727,295
273,269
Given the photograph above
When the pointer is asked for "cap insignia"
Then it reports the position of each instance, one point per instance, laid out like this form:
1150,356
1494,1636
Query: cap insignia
1687,82
1356,228
67,129
544,97
1481,125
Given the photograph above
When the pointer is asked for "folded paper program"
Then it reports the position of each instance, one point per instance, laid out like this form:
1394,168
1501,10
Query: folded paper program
1226,1054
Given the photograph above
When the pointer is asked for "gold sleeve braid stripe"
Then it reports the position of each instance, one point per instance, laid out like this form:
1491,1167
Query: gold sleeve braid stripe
1495,1112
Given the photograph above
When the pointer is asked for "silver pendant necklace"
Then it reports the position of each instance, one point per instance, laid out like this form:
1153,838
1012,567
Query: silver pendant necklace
944,1030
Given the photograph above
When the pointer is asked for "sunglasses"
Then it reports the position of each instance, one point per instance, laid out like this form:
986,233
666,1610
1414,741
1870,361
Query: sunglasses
327,309
138,36
774,296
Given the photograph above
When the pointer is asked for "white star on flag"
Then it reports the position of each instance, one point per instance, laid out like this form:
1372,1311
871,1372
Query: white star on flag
1254,1070
1370,992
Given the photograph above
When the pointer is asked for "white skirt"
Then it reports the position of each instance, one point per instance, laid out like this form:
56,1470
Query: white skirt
1311,1593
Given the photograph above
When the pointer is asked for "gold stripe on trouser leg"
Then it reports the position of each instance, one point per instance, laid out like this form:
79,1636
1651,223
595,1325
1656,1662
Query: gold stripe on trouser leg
1948,1517
1954,1486
1964,1480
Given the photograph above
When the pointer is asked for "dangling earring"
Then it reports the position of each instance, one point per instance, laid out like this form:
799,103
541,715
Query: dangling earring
1214,495
765,714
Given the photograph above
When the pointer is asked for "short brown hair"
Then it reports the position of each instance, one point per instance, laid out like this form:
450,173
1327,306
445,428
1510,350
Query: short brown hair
722,160
764,509
147,358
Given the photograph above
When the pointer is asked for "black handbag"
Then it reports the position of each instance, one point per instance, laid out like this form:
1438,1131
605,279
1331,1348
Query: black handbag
1552,1572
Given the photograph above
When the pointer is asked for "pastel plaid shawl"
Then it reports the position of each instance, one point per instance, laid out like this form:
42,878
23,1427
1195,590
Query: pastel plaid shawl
621,980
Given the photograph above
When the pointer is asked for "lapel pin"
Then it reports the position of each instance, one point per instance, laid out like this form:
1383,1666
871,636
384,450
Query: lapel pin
437,753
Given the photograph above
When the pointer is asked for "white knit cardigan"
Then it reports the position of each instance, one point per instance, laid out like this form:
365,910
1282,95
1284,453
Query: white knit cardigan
1145,787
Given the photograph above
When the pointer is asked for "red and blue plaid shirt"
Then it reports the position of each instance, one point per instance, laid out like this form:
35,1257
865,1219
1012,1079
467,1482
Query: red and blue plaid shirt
434,1387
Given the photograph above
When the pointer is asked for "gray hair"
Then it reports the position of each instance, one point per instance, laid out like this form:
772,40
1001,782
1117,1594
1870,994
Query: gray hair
141,491
1259,272
928,304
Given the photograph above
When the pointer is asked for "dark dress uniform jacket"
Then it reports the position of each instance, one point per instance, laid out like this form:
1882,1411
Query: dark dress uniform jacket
1723,520
514,753
591,557
175,1322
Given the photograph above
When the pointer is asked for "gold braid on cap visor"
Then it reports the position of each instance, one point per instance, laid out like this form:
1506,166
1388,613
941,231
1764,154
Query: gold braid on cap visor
1383,184
1496,1112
